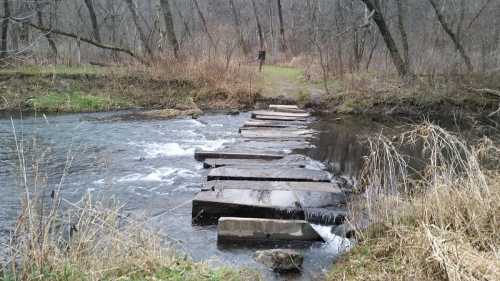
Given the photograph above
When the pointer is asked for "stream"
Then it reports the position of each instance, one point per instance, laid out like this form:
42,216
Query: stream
148,167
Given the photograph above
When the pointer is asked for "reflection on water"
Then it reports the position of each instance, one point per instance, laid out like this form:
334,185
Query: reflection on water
340,143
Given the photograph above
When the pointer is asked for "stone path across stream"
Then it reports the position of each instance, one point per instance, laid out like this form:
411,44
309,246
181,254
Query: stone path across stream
259,191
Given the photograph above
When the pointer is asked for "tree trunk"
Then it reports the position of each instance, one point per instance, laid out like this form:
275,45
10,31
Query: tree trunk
283,44
187,31
262,54
5,30
452,35
142,34
93,19
237,26
169,25
339,22
259,26
204,24
402,6
48,36
374,7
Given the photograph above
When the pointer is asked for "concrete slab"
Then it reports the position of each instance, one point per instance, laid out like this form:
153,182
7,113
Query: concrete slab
286,133
273,124
216,163
329,187
280,114
277,118
255,230
201,155
268,174
318,207
283,106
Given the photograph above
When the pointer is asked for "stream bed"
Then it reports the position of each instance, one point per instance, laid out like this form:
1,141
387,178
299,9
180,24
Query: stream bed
148,167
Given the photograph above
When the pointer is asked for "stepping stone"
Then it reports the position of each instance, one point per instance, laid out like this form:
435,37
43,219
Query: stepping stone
318,207
268,174
201,155
329,187
275,133
277,118
283,106
252,123
279,145
280,114
268,231
216,163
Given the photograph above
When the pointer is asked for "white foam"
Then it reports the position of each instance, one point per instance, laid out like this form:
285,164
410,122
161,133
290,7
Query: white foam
173,149
195,123
130,178
166,175
333,243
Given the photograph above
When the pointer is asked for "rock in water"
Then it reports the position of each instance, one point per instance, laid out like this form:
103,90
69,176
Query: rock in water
280,260
345,231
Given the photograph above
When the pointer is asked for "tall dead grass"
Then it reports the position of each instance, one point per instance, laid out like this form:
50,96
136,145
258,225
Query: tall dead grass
219,82
441,222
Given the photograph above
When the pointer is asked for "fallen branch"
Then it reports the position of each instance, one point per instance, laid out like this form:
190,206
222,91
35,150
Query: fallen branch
494,112
83,39
485,91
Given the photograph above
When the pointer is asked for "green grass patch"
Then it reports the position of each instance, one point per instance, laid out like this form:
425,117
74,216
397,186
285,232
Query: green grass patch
75,101
291,73
84,69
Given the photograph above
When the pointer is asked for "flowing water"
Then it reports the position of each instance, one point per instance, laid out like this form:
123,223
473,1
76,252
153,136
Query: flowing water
148,167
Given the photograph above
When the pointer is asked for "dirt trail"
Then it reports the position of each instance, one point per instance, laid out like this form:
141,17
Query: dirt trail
289,83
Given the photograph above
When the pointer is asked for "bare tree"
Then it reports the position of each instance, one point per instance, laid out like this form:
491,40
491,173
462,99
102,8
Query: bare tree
283,44
93,20
142,33
401,7
453,36
262,52
169,25
204,25
374,7
5,30
237,25
47,35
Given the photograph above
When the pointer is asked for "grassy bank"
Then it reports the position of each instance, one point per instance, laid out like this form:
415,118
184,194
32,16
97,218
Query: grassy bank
91,88
442,223
378,93
213,86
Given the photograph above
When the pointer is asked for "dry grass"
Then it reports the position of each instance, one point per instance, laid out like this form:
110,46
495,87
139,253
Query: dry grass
219,84
440,224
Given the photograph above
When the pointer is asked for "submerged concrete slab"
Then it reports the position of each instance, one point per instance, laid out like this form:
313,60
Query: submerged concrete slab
280,114
216,163
318,207
255,230
268,174
201,155
253,123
